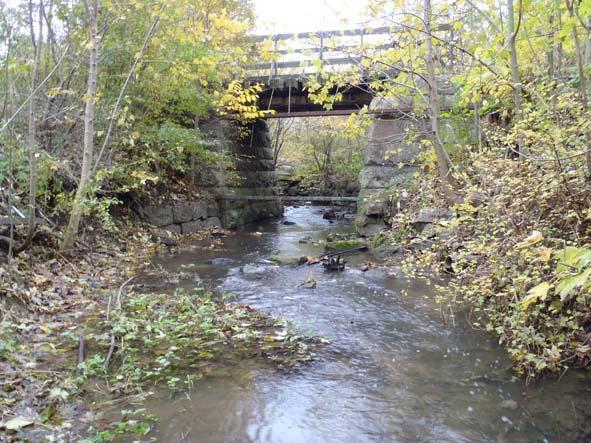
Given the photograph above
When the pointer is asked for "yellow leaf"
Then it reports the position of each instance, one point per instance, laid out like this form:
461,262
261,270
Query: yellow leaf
535,238
553,353
536,293
544,254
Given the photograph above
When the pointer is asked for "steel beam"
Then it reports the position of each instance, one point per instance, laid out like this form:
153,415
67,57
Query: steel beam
289,198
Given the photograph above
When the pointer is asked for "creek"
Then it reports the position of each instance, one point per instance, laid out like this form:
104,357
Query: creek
393,371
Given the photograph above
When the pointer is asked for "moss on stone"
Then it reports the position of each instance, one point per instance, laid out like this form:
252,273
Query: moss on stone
291,260
344,244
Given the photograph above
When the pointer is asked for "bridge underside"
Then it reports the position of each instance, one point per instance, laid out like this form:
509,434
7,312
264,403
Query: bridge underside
289,97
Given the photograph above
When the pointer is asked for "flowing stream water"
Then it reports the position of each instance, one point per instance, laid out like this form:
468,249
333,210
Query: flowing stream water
393,372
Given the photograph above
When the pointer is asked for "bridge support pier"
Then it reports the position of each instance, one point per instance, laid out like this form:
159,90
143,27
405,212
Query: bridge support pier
390,160
252,172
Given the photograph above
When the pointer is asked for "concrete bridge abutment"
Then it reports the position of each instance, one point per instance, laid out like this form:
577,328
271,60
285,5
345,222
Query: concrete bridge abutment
390,161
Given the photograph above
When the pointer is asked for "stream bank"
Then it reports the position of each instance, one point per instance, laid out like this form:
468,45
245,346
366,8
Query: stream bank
81,334
392,371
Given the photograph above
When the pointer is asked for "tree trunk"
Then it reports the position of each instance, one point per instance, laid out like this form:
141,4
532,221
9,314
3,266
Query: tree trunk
515,77
550,50
588,43
193,159
6,70
559,56
443,162
32,132
581,71
578,53
90,97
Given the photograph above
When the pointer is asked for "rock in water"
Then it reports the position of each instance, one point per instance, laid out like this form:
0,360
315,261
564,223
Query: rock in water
329,214
168,242
220,261
310,283
158,236
509,404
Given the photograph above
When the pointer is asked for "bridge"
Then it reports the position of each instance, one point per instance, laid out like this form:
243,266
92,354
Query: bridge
290,64
295,59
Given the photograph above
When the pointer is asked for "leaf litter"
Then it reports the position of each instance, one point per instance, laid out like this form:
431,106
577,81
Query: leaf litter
75,342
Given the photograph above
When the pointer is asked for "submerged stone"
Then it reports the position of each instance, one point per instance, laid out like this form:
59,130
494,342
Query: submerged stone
509,404
288,260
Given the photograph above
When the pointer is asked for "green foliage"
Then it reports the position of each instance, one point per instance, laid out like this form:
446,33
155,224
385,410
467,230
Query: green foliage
325,154
162,336
178,144
509,260
99,208
179,63
14,163
133,422
7,347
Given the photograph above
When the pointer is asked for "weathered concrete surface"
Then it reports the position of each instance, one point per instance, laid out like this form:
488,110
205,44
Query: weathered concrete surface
390,161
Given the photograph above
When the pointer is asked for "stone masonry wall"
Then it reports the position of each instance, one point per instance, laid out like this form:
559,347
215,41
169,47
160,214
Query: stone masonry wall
184,218
252,173
391,158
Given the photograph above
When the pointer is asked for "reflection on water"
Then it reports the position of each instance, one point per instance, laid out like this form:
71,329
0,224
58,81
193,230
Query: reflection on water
393,372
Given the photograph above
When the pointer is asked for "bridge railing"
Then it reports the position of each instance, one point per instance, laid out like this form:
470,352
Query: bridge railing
301,53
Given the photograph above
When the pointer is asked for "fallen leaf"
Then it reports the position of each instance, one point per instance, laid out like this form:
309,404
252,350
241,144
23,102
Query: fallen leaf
544,254
534,238
17,423
536,293
552,354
